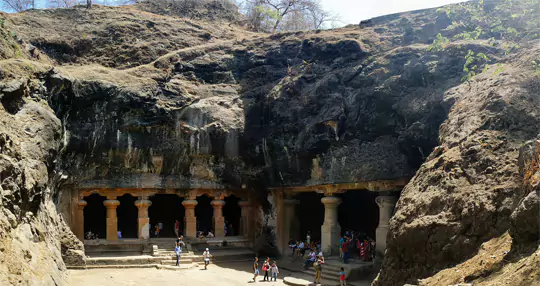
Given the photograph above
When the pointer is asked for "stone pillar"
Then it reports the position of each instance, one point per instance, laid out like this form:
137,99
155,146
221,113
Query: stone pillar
79,220
386,208
219,220
288,222
190,223
112,220
330,230
245,207
143,219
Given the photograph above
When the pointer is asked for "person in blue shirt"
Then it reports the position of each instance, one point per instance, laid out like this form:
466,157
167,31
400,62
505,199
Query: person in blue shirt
341,240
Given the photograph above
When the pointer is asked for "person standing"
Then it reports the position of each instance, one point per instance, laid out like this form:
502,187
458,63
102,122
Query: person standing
178,249
255,269
275,271
156,232
342,277
318,269
206,255
266,268
308,238
345,250
176,228
341,240
160,224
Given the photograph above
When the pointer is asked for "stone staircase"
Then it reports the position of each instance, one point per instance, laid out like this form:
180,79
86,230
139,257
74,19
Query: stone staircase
160,254
330,270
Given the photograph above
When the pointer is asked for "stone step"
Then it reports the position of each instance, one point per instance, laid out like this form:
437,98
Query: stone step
173,262
325,275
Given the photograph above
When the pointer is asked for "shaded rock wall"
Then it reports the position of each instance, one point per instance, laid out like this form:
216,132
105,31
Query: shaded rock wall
466,191
34,239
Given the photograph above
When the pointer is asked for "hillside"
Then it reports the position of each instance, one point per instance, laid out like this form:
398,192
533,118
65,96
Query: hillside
122,97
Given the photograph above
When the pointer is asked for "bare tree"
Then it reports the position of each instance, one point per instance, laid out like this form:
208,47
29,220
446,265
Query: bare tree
18,5
61,3
88,4
285,15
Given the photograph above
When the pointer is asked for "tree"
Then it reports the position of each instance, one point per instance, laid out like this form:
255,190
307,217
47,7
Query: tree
88,4
18,5
285,15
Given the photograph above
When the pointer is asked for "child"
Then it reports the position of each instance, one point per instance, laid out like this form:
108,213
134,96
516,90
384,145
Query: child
275,271
342,277
206,256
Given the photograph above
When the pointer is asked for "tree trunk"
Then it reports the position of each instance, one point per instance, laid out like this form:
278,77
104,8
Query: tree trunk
88,4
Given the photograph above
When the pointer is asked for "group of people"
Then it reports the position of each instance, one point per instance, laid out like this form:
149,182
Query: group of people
351,244
180,244
267,268
299,247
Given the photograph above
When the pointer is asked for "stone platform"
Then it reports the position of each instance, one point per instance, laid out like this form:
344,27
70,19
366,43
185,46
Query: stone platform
159,253
355,270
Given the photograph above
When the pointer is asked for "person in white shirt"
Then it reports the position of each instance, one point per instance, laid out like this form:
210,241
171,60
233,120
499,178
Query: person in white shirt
210,235
301,247
275,271
206,255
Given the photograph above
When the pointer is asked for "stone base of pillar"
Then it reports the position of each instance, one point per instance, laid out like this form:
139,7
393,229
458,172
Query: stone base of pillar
112,229
219,226
191,227
144,228
380,239
330,239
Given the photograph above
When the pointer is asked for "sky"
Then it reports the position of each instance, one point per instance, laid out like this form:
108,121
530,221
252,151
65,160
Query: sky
353,11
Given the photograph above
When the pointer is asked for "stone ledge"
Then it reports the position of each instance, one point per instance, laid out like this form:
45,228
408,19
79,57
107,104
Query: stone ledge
296,282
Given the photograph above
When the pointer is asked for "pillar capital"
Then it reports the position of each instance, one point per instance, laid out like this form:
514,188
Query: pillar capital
112,204
386,201
217,203
331,201
82,204
189,203
142,203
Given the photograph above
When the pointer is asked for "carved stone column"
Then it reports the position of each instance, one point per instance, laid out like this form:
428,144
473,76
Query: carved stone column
219,220
79,220
386,208
191,220
143,219
112,220
330,230
245,207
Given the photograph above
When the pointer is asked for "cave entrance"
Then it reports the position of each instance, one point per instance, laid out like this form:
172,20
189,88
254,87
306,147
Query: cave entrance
232,213
127,214
310,213
359,212
166,209
204,213
95,216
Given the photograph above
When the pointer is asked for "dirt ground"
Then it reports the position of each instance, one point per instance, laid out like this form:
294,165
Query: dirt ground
235,273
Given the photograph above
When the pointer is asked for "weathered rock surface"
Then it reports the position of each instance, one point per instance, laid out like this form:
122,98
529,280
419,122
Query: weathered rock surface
467,190
32,233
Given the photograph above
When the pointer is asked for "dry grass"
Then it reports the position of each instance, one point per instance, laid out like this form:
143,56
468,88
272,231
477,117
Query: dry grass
491,266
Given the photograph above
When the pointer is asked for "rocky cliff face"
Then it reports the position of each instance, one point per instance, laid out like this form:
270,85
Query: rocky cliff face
33,237
465,192
142,100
